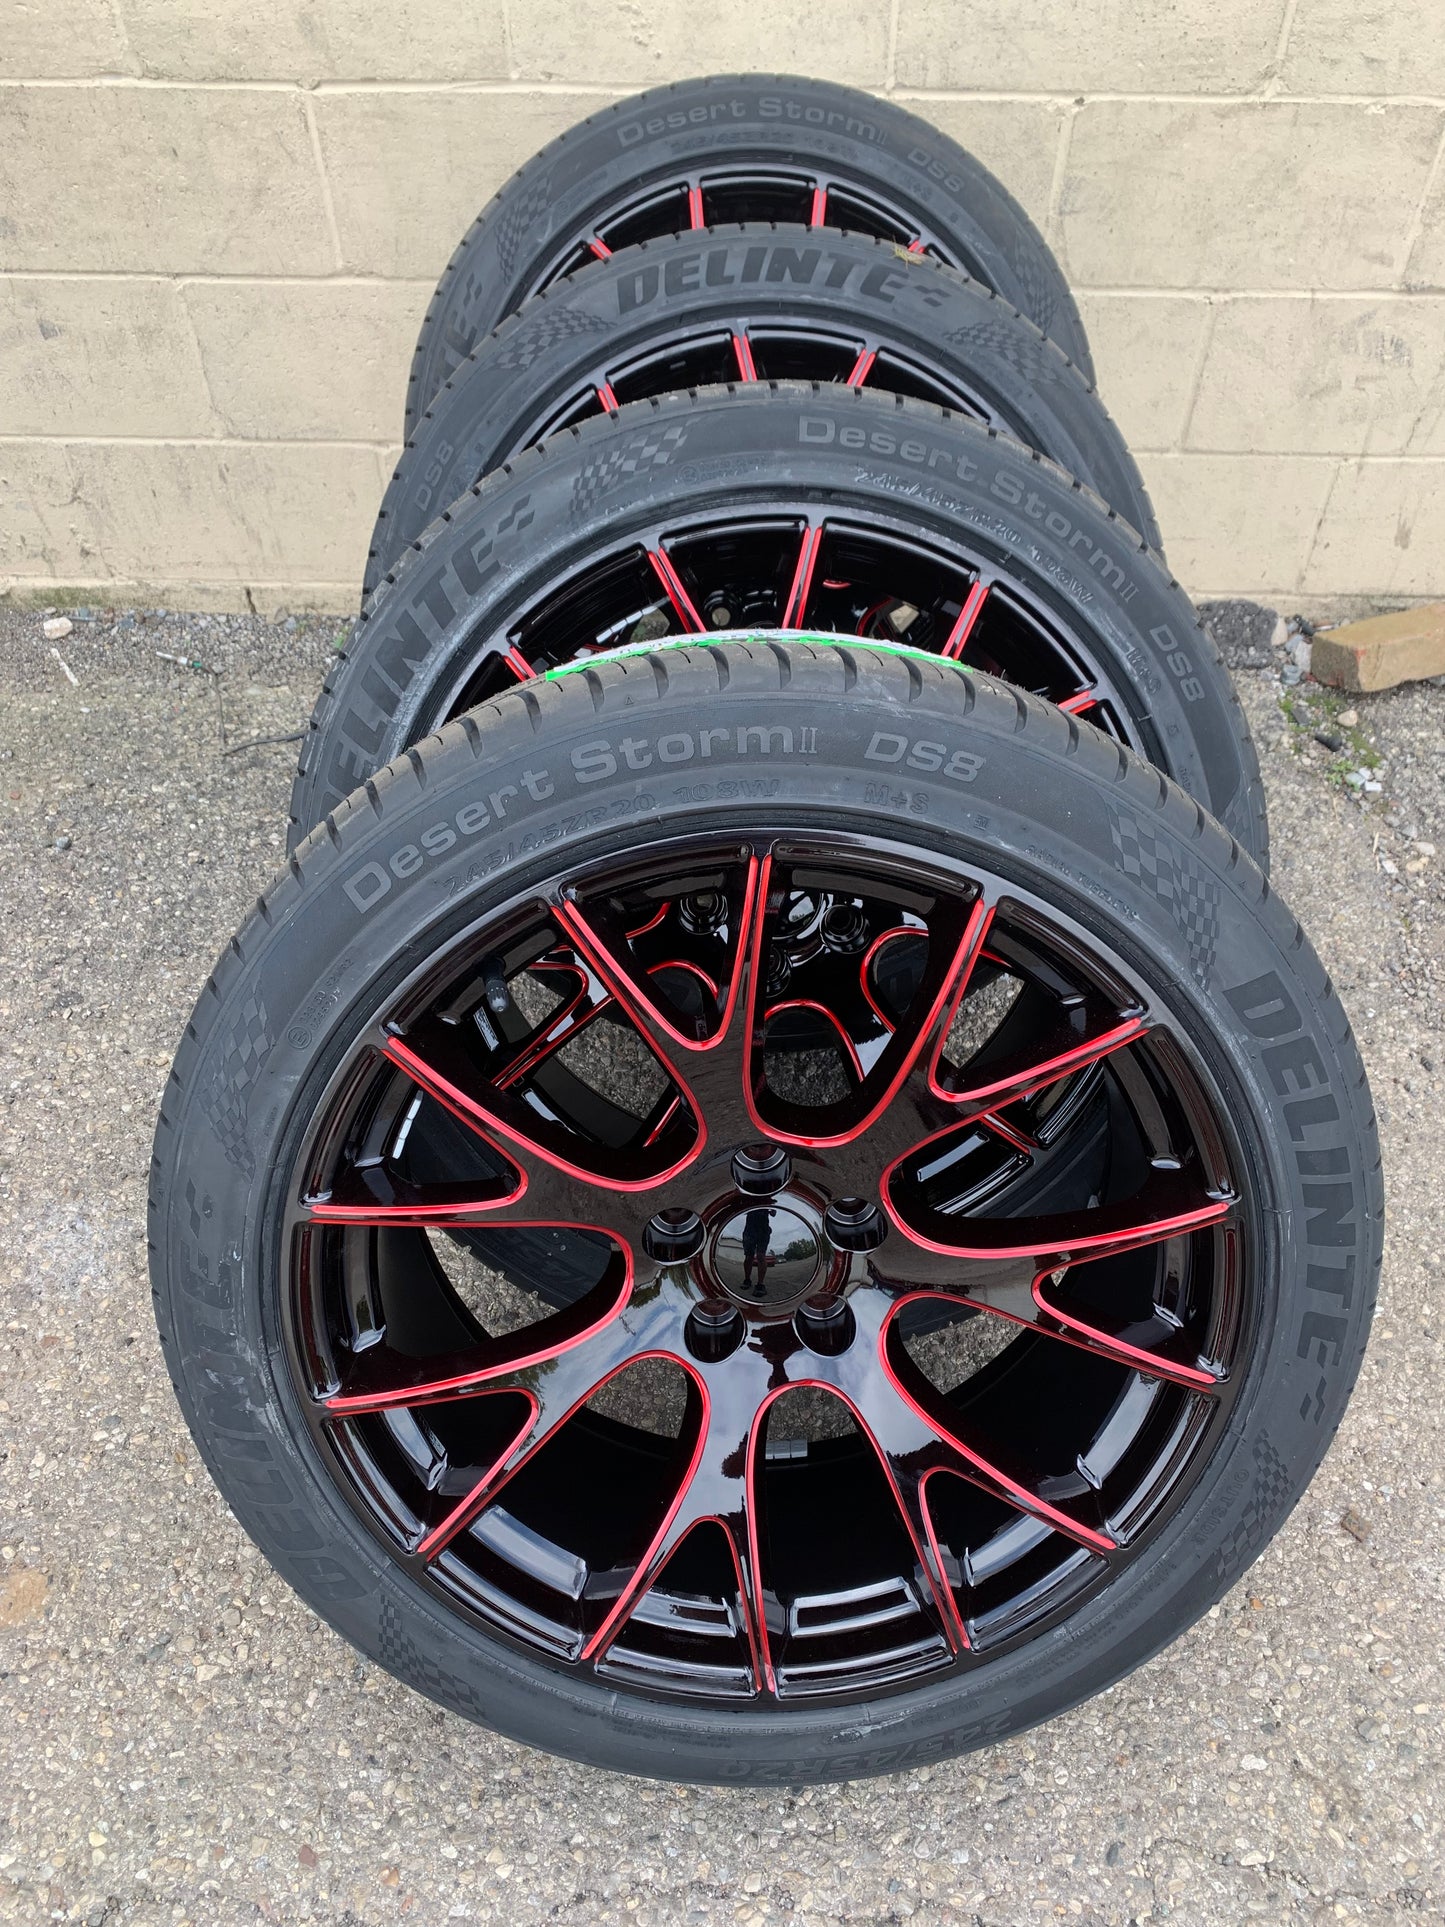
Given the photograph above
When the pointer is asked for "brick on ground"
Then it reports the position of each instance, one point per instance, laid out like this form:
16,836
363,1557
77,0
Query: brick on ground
1383,650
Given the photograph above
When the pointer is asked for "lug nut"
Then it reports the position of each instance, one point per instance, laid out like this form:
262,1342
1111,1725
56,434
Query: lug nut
673,1236
703,912
852,1224
761,1169
845,929
713,1329
825,1325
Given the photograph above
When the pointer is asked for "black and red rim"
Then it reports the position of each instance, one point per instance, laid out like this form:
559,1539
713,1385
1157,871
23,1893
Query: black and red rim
742,192
797,568
770,349
768,1269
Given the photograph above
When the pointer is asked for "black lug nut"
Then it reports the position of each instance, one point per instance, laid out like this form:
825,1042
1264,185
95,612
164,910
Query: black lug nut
826,1325
673,1236
713,1329
780,969
845,929
761,1169
852,1224
703,912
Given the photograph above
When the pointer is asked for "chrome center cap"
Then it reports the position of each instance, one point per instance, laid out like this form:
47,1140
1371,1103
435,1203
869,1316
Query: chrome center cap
766,1256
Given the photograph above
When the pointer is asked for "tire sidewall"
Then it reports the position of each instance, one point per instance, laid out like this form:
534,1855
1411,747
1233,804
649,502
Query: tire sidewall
732,279
656,463
669,131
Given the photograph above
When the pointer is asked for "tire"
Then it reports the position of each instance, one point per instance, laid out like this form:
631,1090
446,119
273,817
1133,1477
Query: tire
716,306
1078,603
1114,876
895,172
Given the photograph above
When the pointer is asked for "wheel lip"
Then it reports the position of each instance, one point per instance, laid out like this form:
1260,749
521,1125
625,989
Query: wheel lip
1255,1221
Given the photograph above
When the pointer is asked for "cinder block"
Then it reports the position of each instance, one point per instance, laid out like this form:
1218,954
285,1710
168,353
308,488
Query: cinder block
1426,265
307,360
1257,194
311,40
1383,533
617,40
1017,139
98,357
1108,46
1237,524
159,179
1366,47
62,39
171,512
1325,375
1146,349
1383,650
410,170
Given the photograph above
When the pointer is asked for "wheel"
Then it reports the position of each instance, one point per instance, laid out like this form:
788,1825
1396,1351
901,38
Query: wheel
747,303
790,506
908,1384
736,147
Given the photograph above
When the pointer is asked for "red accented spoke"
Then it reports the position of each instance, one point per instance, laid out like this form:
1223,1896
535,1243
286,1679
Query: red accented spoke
1007,1266
1025,1076
669,1112
797,603
555,1389
607,397
509,1128
968,616
658,916
904,1060
858,374
519,666
1076,705
689,969
694,207
590,938
1007,1482
716,1488
1020,1140
600,248
742,350
866,962
536,1359
830,1017
677,595
465,1212
818,208
550,1035
909,1451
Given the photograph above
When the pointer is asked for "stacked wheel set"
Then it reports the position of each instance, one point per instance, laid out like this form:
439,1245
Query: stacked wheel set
772,1195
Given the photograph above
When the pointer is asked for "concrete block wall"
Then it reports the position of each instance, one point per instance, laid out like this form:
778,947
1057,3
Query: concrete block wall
220,225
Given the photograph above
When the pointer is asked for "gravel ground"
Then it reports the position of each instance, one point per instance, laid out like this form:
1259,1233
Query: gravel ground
185,1743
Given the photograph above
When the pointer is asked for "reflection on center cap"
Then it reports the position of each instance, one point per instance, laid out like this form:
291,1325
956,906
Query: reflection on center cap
766,1255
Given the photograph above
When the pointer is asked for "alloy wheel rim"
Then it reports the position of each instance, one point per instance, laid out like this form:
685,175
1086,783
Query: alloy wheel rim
720,195
695,1571
804,572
